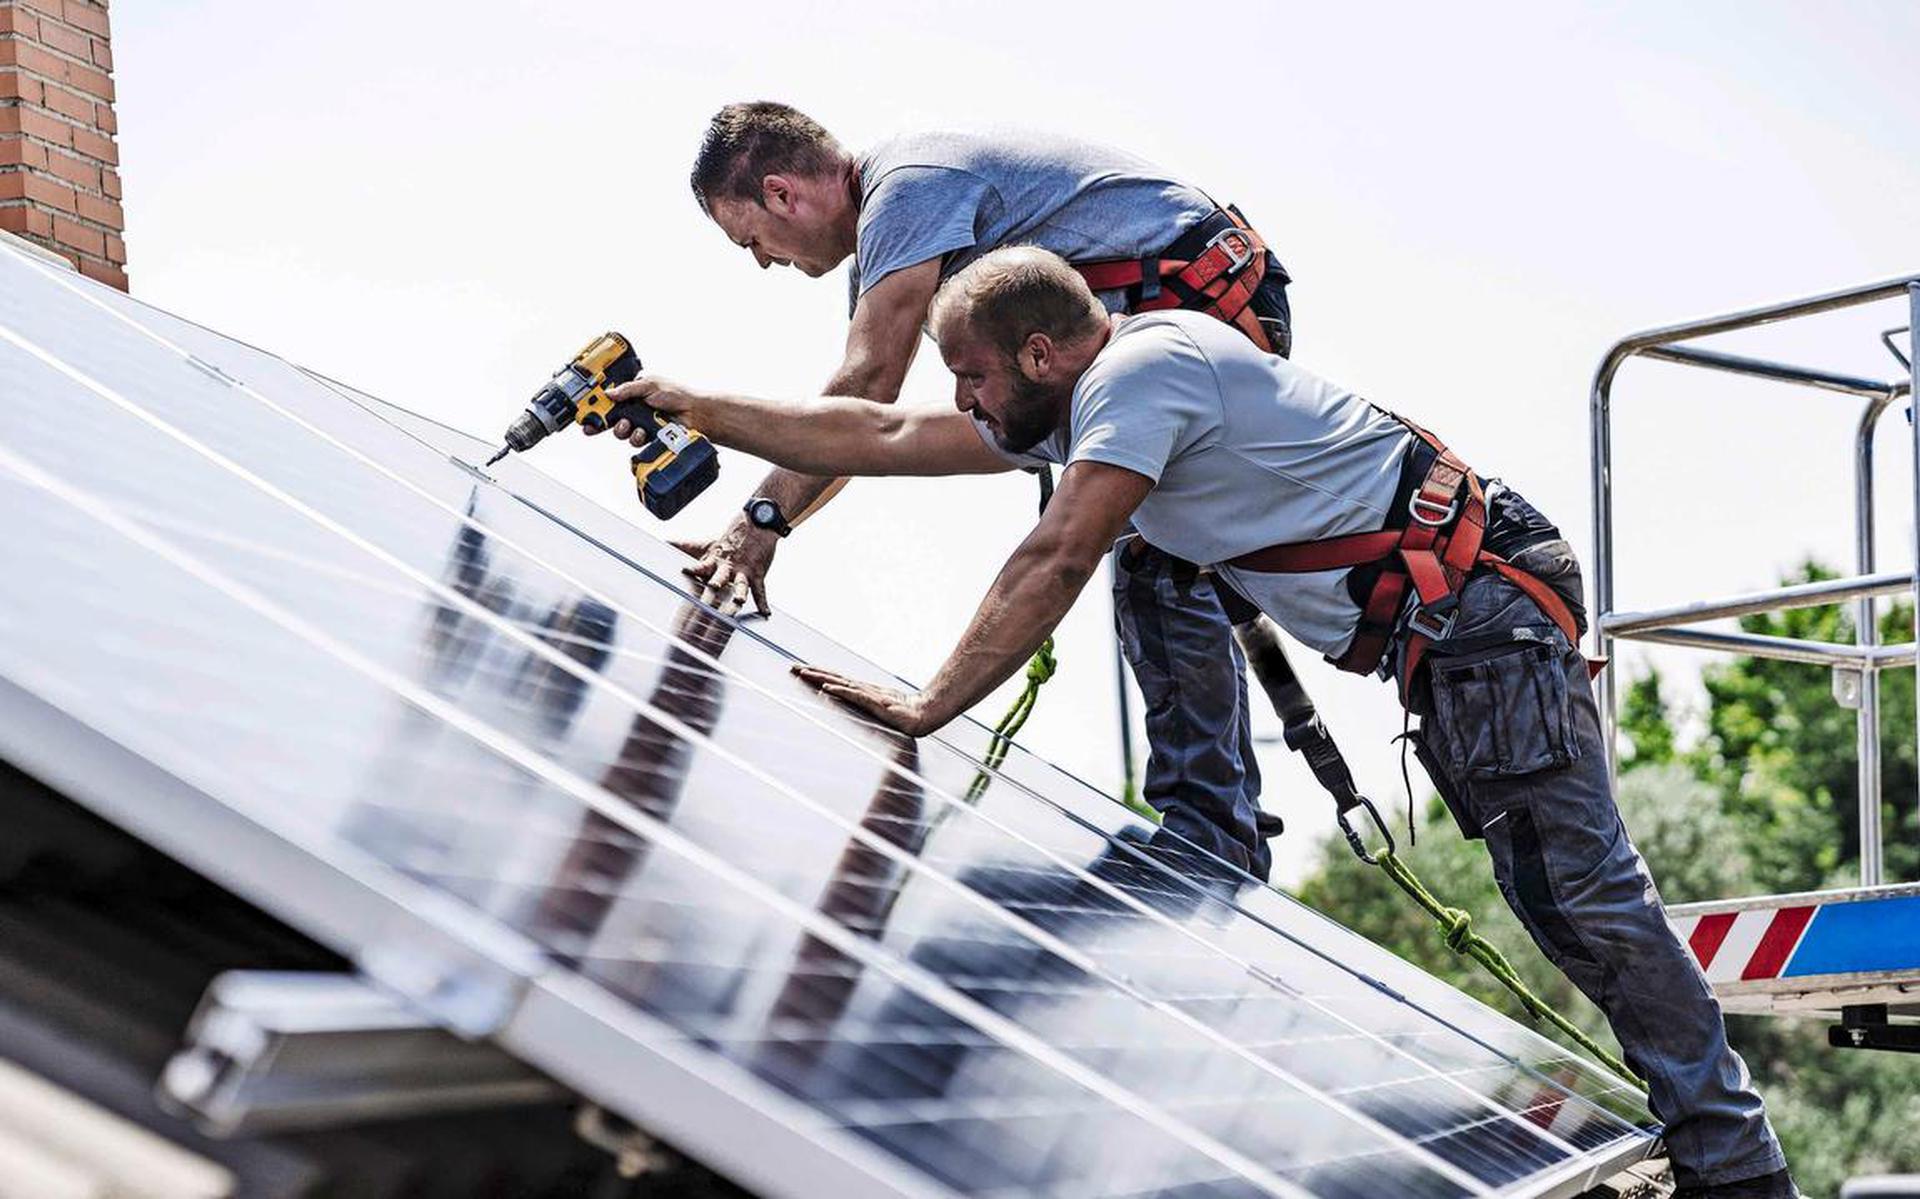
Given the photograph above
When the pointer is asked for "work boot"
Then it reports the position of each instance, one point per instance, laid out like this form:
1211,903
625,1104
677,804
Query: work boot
1777,1185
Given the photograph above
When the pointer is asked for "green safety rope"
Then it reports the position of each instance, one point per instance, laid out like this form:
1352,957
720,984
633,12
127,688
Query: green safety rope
1456,930
1040,668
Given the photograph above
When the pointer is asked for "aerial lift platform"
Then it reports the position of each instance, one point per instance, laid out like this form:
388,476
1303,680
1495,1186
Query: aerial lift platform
1852,953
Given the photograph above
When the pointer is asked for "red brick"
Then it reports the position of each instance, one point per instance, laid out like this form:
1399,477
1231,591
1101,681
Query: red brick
22,118
110,183
19,151
105,272
16,86
21,217
116,250
69,104
52,8
25,185
84,238
77,171
31,56
103,212
97,84
66,39
15,20
103,119
90,17
102,54
95,146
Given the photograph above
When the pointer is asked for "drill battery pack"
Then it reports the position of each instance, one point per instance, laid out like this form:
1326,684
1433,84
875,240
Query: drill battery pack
672,468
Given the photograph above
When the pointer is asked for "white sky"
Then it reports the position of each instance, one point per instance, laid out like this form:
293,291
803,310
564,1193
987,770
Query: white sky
439,201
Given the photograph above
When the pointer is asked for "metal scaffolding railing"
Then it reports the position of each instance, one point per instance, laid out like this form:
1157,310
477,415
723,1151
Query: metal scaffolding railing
1857,666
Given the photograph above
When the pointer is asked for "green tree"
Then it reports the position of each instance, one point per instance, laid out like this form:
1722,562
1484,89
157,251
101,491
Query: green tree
1784,757
1645,723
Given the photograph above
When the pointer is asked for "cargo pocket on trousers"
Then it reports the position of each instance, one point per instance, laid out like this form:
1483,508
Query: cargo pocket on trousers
1504,714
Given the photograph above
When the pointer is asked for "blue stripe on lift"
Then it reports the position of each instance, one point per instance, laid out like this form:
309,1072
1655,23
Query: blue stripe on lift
1873,934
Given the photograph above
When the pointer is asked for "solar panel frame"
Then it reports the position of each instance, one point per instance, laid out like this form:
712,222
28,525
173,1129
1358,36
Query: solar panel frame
510,990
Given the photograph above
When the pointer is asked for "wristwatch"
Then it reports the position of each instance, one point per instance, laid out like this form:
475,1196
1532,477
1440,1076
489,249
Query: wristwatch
764,513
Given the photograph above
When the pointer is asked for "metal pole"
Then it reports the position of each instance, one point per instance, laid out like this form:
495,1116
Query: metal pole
1798,595
1602,453
1760,368
1913,394
1866,634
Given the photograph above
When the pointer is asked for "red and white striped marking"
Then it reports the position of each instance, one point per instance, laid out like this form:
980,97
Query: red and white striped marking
1743,946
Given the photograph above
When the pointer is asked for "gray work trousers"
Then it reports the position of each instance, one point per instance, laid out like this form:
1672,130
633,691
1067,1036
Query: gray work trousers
1201,774
1512,734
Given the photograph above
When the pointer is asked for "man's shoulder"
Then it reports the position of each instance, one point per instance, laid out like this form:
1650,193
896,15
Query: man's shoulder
998,149
936,148
1173,337
1156,349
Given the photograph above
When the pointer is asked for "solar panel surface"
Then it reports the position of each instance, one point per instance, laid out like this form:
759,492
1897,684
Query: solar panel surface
470,730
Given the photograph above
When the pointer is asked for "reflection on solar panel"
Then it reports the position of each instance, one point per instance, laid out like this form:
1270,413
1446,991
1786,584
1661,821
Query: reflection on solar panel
469,730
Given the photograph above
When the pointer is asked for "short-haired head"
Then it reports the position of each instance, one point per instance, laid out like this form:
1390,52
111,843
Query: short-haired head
1009,294
748,141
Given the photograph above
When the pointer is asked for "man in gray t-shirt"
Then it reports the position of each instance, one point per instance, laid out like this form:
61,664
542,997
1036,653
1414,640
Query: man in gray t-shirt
1174,423
911,212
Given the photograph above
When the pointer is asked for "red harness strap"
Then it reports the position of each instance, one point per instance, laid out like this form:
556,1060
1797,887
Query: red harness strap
1433,555
1219,282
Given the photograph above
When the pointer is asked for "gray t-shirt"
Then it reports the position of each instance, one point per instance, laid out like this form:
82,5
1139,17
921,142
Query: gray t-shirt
1246,450
955,196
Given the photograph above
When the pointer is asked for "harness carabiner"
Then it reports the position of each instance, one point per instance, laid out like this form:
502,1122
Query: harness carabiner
1353,837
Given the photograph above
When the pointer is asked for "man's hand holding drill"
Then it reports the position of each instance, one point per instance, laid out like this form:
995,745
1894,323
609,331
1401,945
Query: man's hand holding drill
732,566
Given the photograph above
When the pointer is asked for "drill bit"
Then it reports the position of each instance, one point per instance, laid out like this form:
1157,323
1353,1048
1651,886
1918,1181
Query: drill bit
504,451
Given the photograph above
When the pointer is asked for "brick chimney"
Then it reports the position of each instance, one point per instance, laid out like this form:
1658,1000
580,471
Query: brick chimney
59,176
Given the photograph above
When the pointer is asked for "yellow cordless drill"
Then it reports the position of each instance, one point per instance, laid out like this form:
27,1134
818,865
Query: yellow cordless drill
675,465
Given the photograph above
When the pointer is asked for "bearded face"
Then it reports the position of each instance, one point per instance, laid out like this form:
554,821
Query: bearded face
1031,412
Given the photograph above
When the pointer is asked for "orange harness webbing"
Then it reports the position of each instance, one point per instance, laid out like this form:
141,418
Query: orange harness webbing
1219,282
1433,555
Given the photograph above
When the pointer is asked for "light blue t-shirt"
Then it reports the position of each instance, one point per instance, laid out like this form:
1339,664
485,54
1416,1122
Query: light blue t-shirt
955,196
1246,450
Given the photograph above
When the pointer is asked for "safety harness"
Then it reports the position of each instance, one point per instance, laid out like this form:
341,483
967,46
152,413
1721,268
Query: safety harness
1438,543
1213,268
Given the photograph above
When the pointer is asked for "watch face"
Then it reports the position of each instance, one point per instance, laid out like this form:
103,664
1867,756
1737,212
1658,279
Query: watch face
763,512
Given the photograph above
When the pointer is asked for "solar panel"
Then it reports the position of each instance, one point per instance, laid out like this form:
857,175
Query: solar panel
469,730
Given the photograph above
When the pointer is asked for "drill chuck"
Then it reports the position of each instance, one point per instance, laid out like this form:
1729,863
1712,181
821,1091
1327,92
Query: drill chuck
525,433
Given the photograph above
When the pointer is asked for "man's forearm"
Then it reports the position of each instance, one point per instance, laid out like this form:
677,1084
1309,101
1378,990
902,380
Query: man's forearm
801,495
819,435
1033,592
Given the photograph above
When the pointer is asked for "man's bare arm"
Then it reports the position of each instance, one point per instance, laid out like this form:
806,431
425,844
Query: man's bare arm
881,341
826,435
1033,592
